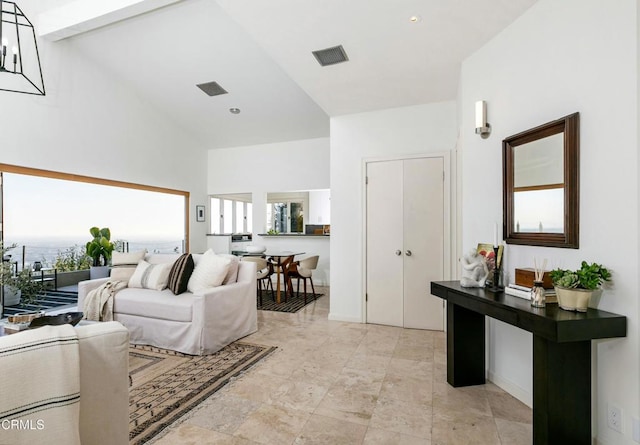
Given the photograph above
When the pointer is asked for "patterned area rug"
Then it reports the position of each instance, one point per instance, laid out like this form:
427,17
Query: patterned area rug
166,384
293,304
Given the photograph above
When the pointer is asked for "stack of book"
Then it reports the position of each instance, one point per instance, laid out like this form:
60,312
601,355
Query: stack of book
524,283
20,322
525,292
12,328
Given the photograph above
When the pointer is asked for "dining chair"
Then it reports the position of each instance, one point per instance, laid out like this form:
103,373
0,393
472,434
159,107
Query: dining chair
263,277
302,269
281,264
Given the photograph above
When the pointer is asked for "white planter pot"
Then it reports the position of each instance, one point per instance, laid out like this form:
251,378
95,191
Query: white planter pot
98,272
11,296
576,299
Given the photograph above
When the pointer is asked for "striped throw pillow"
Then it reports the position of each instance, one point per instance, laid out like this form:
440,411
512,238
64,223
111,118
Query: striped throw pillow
180,274
150,276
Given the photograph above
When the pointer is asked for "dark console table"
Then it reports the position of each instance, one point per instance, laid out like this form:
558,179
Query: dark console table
561,354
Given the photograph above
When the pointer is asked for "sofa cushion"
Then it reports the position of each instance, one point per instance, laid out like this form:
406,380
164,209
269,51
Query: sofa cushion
122,273
161,258
210,271
232,274
180,273
150,303
150,276
127,258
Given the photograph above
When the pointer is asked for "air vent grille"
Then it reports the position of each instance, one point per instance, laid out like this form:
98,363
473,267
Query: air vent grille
330,56
212,88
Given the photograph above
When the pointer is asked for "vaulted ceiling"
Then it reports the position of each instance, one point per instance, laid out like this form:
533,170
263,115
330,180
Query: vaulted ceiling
260,53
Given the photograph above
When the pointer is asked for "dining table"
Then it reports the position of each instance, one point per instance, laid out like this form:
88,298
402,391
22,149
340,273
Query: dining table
280,259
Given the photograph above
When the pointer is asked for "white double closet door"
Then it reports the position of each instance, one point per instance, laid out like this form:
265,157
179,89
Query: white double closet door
405,242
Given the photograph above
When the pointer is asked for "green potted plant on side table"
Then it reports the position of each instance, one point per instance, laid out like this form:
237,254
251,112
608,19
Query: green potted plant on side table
99,249
575,288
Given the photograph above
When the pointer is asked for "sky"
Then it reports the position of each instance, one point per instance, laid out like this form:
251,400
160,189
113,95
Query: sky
36,207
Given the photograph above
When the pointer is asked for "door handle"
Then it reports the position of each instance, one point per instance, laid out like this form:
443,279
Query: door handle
398,252
408,253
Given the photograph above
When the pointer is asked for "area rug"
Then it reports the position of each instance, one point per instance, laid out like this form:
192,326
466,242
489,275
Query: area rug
167,384
293,304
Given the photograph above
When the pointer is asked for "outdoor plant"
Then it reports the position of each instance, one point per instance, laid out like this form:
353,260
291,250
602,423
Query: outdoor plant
31,288
100,248
6,270
72,258
589,276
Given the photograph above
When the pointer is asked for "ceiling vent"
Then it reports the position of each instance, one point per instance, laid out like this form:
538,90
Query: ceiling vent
212,88
331,56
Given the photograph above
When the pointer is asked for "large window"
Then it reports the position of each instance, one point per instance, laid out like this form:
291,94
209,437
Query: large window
231,213
49,212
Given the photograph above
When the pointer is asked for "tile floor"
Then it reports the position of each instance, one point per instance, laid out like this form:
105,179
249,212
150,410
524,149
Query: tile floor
346,383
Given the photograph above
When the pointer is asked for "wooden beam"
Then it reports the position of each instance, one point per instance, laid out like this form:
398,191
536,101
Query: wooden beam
86,15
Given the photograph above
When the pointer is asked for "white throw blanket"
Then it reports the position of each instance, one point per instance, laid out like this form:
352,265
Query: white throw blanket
98,304
40,386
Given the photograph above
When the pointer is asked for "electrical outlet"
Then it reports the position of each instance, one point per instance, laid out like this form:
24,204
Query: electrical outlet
614,417
635,422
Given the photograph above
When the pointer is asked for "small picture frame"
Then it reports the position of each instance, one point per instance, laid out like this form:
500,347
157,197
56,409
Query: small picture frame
200,215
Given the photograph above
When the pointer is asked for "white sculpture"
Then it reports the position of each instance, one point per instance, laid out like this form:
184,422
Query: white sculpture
474,270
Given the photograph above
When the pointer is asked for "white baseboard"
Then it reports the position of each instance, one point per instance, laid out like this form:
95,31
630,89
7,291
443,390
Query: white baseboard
516,391
348,318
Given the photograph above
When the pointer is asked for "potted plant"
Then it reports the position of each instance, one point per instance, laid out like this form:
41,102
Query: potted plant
29,287
9,294
19,288
99,249
575,288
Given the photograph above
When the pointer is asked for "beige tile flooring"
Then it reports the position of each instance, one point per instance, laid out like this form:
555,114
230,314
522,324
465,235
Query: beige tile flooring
346,383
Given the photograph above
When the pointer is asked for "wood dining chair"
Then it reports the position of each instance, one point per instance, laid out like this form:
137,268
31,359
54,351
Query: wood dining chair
263,277
281,264
301,270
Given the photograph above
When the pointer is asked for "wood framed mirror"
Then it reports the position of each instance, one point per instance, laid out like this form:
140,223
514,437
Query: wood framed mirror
540,185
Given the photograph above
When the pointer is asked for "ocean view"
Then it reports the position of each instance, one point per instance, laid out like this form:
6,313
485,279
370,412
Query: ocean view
46,250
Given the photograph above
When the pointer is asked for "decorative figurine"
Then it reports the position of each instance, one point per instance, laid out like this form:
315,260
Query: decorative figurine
474,270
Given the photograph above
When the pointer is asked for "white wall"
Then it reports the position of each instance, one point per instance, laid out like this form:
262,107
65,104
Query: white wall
398,131
282,167
260,169
558,58
91,124
319,207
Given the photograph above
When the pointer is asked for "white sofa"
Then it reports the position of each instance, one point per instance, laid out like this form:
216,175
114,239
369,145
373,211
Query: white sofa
102,362
195,324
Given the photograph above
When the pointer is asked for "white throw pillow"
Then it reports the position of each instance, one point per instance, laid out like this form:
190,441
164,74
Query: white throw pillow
210,271
150,276
127,258
122,273
232,273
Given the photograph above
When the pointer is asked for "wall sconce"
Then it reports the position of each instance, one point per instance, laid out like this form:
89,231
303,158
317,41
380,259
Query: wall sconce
482,127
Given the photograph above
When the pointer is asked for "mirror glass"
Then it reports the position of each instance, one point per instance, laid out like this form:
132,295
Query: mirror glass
538,186
541,185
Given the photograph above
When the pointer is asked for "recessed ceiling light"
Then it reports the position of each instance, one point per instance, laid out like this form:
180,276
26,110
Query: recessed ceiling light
234,110
415,19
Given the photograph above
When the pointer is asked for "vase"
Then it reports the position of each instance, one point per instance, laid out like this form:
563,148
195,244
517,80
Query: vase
98,272
11,296
574,299
538,295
